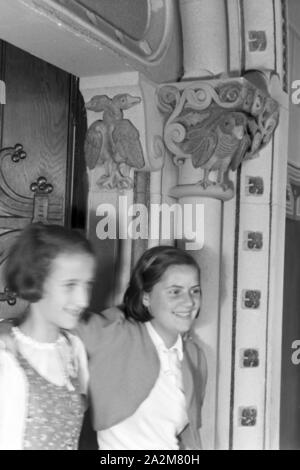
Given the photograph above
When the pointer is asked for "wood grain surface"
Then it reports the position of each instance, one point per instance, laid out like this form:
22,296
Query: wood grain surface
37,115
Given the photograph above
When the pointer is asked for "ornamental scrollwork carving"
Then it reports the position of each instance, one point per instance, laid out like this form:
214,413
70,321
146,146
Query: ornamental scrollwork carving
218,125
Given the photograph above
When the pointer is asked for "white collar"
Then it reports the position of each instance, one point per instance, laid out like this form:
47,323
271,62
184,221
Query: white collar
159,343
25,339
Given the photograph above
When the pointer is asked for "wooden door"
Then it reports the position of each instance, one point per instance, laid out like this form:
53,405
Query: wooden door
38,115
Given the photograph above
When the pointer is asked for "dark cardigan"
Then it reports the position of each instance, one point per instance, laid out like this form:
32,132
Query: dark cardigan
124,367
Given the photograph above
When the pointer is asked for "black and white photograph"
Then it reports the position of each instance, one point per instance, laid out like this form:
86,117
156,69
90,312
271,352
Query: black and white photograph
149,225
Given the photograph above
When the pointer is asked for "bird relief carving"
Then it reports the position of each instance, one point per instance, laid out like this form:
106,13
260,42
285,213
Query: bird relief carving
217,126
218,145
113,142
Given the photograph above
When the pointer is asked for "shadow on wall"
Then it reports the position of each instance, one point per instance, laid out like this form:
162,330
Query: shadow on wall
88,437
290,377
102,292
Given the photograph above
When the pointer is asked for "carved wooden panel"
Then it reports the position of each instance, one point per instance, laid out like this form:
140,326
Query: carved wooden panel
36,114
36,148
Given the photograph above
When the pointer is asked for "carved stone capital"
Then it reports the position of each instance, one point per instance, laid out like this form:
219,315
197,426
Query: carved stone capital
125,133
217,124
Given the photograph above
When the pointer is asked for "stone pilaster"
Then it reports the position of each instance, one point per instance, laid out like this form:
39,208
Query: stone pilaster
243,216
124,136
211,128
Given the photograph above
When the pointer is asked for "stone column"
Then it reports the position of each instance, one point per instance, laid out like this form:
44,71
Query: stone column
124,136
204,38
212,126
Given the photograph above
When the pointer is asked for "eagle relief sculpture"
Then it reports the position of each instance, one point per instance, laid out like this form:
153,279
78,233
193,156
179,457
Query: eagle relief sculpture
219,144
113,142
218,125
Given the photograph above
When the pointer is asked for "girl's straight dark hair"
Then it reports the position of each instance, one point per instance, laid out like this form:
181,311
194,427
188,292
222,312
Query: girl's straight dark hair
147,272
30,258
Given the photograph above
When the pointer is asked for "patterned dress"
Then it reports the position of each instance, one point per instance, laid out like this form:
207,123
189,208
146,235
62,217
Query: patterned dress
55,413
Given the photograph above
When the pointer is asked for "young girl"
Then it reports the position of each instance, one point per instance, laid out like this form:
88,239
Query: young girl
43,373
147,375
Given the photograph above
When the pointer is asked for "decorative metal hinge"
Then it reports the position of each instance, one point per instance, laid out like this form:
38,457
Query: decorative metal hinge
17,153
8,296
41,191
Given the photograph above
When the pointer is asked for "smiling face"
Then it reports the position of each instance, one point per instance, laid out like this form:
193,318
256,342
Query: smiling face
66,291
174,302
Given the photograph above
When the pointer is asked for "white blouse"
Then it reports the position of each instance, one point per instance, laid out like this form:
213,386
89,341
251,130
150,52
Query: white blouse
162,416
53,361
